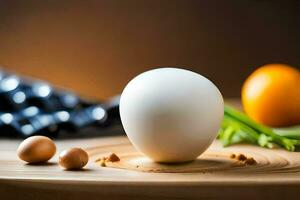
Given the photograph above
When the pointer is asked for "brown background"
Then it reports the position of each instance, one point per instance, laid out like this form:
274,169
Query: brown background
96,47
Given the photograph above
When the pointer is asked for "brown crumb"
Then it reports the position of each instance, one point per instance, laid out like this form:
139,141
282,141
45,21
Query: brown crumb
250,161
98,159
241,157
102,163
113,158
232,155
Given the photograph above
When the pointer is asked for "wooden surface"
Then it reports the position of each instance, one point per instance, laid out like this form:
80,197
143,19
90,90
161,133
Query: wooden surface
213,175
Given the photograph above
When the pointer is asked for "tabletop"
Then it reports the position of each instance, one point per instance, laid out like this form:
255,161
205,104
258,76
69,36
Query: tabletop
214,174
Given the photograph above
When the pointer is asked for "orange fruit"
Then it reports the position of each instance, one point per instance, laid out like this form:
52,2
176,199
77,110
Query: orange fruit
271,95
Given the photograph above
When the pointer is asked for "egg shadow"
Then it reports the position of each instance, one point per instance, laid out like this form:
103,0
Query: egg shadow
78,170
198,165
201,165
42,164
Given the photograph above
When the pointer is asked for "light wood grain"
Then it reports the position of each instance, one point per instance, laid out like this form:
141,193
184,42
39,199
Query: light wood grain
216,161
214,175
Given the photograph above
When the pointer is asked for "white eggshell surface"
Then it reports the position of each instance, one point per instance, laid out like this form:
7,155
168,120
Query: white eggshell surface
171,114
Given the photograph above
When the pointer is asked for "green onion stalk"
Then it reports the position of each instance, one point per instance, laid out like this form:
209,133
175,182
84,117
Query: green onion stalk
237,127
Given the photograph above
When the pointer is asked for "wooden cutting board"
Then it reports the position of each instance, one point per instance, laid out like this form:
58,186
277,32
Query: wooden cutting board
214,175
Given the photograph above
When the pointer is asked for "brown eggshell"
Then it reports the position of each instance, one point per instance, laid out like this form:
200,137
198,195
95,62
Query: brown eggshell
36,149
74,158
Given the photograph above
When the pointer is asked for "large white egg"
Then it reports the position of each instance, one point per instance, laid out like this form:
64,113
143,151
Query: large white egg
171,114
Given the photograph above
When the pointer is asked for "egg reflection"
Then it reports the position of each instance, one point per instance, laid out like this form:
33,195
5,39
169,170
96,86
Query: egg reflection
27,129
69,100
63,116
7,118
98,113
19,97
30,111
9,83
45,120
42,89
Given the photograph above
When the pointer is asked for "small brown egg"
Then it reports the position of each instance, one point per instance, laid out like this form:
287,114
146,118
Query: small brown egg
74,158
36,149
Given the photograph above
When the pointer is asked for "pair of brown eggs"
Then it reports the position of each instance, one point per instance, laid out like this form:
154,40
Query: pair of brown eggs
40,149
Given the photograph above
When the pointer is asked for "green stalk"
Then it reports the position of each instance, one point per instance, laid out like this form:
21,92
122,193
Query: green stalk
291,132
239,132
252,134
289,144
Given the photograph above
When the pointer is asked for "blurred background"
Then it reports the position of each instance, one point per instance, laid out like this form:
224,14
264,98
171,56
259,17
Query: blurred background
96,47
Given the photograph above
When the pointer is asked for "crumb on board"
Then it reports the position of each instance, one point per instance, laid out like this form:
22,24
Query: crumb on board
243,159
111,158
250,161
102,162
